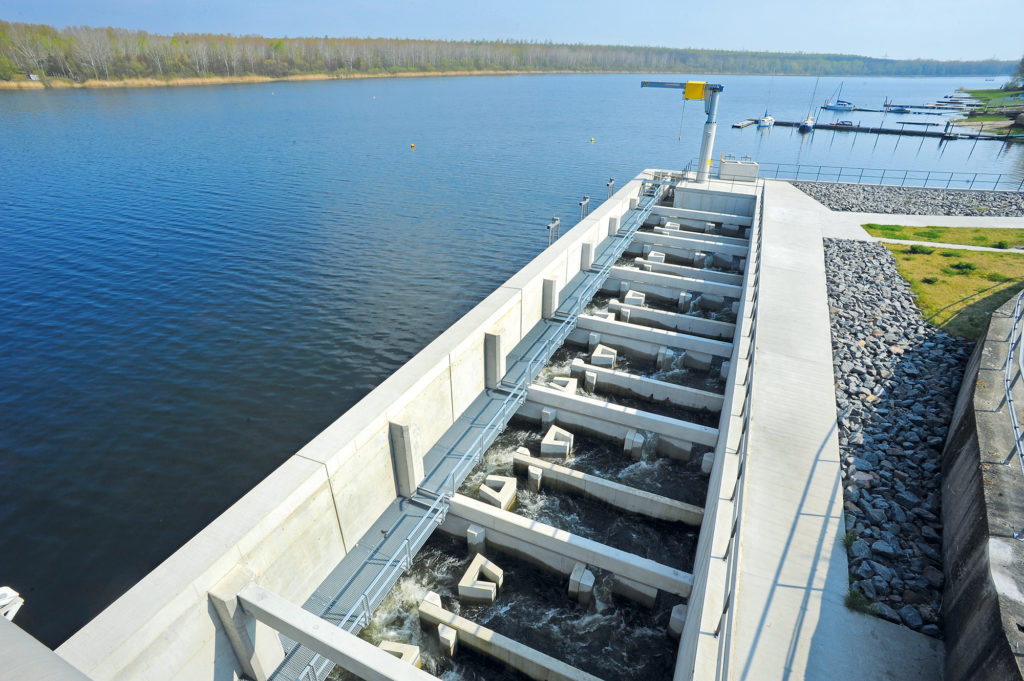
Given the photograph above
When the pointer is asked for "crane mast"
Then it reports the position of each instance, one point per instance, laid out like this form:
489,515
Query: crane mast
699,89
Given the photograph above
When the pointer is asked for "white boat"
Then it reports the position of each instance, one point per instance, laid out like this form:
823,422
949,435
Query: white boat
765,121
807,125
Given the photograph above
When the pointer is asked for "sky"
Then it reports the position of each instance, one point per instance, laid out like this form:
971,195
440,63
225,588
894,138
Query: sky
899,29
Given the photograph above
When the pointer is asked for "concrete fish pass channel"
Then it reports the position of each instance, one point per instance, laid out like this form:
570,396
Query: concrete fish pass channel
556,458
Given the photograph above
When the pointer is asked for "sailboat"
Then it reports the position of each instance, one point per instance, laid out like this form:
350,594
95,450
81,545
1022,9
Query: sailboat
808,124
765,121
838,104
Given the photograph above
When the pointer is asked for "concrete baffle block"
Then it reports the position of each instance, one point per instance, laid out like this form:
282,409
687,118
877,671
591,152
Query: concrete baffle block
481,581
557,442
534,477
642,264
476,539
710,301
668,358
408,466
682,451
494,360
634,298
633,444
623,315
700,361
709,228
581,584
613,226
730,229
499,490
624,287
723,371
549,298
586,256
635,591
403,651
604,356
707,462
685,302
656,256
548,417
593,340
448,637
735,307
565,384
701,259
674,226
590,381
738,263
676,620
721,261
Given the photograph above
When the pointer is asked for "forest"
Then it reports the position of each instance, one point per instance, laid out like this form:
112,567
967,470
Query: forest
81,53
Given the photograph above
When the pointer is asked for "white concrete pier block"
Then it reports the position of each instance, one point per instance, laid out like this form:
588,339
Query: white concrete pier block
534,478
494,360
476,539
557,442
581,584
548,417
633,445
549,298
565,384
685,302
613,226
634,298
656,256
666,359
676,621
448,637
697,360
707,462
633,203
593,340
499,490
604,356
623,315
473,588
407,653
674,226
723,371
635,591
586,256
408,466
590,381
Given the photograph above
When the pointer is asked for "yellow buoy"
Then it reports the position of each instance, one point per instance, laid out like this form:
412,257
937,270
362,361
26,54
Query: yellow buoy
591,140
412,146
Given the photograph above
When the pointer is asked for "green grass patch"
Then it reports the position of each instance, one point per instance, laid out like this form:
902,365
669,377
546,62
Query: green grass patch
858,602
968,236
959,296
917,249
995,96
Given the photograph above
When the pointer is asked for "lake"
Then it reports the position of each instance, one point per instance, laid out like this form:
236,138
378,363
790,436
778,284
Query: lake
195,281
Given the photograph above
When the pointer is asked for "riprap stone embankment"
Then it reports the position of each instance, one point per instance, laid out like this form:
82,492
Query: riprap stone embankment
897,379
862,198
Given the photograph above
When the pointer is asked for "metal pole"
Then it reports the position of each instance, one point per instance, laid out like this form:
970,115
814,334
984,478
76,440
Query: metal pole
708,142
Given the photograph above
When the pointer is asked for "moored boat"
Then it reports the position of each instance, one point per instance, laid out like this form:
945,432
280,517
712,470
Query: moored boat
807,125
766,121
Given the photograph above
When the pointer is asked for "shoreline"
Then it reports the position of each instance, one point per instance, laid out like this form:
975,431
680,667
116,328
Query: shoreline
63,84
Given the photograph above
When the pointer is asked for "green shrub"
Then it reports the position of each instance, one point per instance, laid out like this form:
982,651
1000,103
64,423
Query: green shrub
998,277
929,280
1001,244
921,250
964,267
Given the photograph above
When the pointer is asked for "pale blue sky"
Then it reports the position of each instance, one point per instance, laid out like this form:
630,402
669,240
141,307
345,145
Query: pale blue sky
940,29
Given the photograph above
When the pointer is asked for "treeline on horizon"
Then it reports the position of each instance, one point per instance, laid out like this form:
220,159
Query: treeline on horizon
80,53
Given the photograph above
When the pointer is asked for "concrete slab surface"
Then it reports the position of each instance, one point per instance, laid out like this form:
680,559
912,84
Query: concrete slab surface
790,621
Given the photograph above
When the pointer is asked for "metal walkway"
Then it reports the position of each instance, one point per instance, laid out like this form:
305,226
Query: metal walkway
371,568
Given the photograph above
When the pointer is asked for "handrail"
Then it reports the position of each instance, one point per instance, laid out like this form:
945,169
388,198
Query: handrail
1008,380
401,559
925,179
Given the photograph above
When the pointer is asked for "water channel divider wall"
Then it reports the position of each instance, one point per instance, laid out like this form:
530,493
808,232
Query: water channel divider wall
294,527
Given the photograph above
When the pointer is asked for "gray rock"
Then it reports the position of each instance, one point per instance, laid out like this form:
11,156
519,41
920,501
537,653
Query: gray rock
860,549
933,576
911,617
887,613
883,549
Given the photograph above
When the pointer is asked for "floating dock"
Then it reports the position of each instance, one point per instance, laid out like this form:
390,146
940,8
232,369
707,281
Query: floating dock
945,134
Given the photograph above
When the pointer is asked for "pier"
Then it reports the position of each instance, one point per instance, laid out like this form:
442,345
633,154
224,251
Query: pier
946,134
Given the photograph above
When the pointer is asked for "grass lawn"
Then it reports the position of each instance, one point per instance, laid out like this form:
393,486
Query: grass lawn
968,236
958,290
992,97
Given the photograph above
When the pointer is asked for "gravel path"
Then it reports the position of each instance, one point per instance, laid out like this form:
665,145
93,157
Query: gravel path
862,198
897,379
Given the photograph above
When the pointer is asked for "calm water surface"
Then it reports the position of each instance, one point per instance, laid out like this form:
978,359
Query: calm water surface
195,281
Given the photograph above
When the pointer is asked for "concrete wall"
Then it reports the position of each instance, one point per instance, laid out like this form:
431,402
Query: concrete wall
296,525
982,507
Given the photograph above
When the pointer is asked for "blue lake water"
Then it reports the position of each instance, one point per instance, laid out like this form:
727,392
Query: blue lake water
195,281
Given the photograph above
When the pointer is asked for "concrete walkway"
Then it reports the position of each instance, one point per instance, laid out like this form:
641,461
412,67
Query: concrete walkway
847,225
790,620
